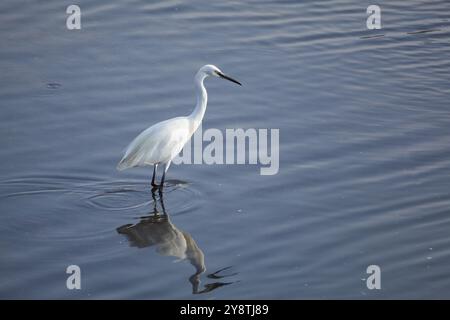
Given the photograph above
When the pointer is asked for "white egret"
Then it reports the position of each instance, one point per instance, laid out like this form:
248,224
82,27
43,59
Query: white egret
160,143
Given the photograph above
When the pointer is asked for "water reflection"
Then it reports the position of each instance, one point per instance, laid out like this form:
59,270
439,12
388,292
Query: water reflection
156,229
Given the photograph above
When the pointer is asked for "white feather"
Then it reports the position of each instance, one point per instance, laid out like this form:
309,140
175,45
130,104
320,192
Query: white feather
158,144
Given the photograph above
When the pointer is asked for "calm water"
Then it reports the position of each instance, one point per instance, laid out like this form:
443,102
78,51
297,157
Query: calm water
364,150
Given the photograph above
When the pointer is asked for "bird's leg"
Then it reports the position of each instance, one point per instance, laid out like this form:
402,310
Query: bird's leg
166,167
161,185
155,207
162,201
154,185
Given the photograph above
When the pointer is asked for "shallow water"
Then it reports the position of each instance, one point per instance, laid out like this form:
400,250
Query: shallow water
364,150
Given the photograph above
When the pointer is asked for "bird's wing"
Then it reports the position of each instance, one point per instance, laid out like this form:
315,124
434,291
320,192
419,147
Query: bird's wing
157,144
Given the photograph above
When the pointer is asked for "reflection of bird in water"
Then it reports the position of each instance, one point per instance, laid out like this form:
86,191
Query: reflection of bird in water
158,230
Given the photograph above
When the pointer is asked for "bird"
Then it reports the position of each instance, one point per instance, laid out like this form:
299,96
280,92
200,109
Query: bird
160,143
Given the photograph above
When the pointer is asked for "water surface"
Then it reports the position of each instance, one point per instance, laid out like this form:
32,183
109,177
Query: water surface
364,150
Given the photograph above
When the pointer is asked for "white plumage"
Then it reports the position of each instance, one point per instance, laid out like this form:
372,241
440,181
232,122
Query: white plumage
160,143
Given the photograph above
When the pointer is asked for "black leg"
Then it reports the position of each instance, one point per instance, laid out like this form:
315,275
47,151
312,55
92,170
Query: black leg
166,167
162,202
155,208
154,175
162,179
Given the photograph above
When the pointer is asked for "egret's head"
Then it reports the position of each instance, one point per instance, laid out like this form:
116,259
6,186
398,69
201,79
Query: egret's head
212,70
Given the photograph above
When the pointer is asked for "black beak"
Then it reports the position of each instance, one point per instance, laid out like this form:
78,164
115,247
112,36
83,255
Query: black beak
224,76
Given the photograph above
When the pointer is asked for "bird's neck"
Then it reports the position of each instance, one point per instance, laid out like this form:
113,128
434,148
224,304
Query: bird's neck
202,100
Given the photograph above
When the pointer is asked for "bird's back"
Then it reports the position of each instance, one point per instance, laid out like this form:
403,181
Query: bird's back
158,144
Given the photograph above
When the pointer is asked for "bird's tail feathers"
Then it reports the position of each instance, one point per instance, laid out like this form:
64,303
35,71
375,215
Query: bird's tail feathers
122,165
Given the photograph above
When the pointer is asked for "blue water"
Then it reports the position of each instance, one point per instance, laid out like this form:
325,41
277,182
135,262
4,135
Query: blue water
364,150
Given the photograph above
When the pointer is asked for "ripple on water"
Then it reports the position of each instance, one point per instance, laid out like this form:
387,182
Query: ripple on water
99,206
